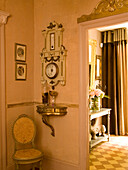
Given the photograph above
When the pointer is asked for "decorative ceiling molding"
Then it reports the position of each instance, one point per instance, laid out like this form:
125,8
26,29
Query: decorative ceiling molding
106,8
3,17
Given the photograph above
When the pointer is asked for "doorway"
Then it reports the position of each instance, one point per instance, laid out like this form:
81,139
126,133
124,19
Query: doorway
110,49
84,81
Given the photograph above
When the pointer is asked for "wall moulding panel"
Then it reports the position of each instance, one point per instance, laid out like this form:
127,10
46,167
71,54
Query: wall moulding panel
3,153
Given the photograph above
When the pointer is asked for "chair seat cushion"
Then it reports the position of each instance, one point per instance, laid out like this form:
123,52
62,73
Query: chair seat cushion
27,154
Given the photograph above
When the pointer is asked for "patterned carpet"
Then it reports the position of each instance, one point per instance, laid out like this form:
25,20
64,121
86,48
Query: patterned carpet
110,155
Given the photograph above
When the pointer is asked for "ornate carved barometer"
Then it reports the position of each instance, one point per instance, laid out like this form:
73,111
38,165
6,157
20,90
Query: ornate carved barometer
53,55
53,59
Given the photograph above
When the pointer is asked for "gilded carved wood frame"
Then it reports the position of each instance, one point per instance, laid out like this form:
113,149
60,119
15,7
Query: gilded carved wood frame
106,8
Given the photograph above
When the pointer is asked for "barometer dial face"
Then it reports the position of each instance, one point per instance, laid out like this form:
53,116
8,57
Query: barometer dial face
51,70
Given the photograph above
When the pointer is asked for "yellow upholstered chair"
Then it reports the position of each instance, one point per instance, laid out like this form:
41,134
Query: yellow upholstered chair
24,131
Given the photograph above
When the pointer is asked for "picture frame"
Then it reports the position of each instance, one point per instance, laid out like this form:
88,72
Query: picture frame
98,67
20,52
20,71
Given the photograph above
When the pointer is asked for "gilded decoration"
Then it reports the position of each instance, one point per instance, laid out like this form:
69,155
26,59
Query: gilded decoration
106,8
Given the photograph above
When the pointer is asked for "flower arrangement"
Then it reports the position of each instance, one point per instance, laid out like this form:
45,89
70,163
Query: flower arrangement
95,95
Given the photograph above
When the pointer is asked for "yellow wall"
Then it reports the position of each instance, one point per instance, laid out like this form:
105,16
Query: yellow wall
24,26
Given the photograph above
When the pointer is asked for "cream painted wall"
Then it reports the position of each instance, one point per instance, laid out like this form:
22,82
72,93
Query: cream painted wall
24,26
96,35
19,29
2,4
65,145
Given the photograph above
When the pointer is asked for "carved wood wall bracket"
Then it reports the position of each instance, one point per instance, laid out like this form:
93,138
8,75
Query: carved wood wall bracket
45,121
106,8
51,110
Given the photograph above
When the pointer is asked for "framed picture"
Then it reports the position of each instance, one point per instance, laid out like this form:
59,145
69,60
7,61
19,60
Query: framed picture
21,71
20,52
98,67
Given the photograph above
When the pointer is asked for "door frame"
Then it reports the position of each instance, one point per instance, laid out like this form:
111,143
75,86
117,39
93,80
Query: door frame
84,79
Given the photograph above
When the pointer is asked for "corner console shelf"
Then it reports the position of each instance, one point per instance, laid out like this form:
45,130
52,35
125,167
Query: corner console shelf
51,110
93,115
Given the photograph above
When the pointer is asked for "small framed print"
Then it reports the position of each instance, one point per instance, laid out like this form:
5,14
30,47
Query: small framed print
52,41
20,52
21,71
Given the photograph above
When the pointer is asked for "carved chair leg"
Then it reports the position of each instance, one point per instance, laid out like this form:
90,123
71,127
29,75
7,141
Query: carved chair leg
16,167
41,165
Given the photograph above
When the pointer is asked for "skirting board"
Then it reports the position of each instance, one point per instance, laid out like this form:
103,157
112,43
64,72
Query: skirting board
12,167
52,164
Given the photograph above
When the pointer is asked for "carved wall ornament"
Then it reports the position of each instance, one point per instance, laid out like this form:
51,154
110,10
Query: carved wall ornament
3,17
106,8
53,55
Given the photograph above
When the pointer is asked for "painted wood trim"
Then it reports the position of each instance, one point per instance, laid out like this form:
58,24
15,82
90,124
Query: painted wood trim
84,112
3,97
11,167
3,142
83,99
12,105
53,164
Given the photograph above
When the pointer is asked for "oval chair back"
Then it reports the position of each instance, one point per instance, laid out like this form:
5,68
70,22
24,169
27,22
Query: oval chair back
24,131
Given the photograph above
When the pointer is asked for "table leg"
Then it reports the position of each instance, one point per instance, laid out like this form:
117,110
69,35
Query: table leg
89,133
108,125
